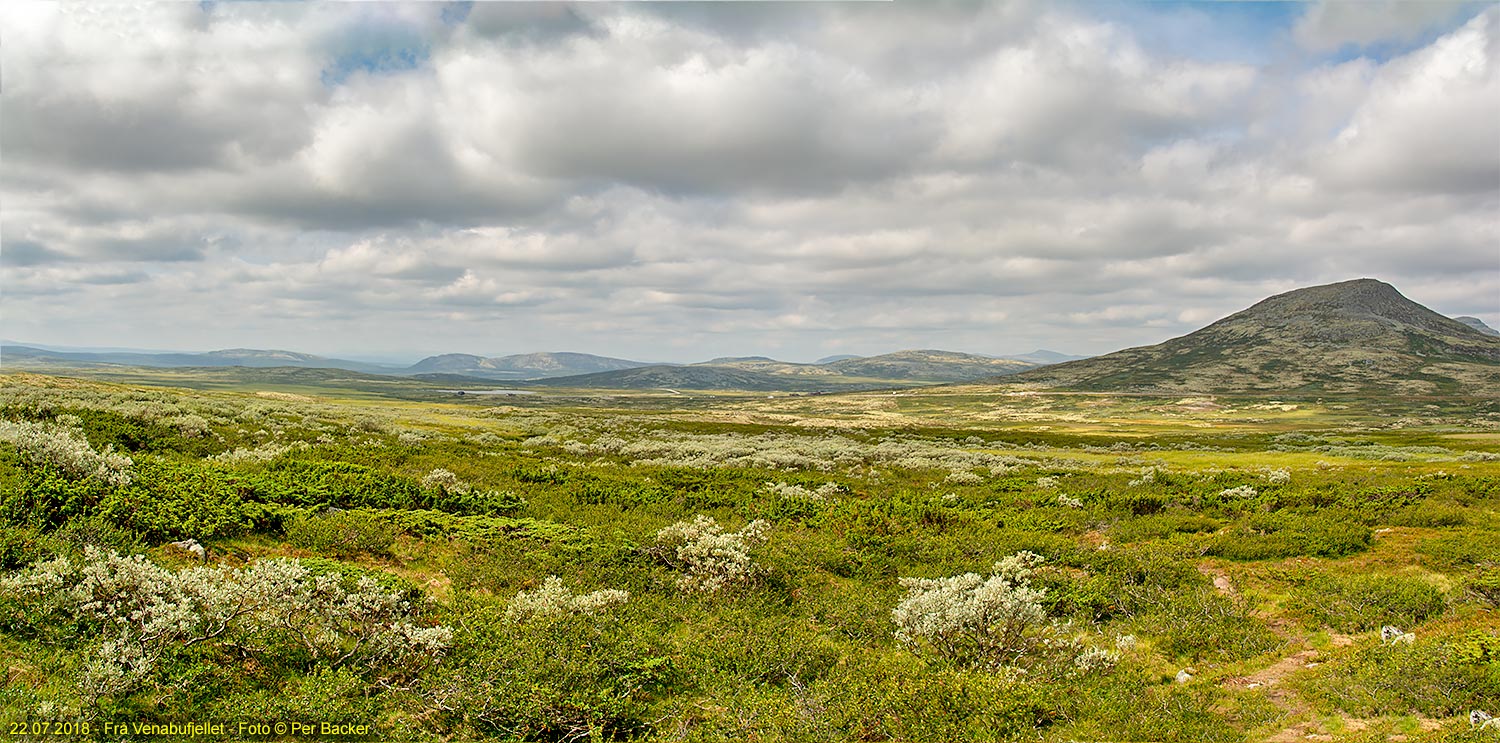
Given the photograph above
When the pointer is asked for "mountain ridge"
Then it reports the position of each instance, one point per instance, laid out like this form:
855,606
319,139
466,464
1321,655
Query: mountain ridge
1350,336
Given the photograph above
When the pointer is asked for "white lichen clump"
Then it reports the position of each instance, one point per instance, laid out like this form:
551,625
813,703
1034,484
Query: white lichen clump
709,557
553,599
969,615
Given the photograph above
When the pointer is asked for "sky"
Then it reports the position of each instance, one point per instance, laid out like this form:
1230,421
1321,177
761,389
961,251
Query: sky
679,181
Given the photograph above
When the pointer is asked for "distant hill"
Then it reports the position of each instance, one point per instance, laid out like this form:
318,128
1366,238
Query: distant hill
1352,336
32,357
765,365
928,366
705,377
1043,357
1477,324
520,366
759,373
837,357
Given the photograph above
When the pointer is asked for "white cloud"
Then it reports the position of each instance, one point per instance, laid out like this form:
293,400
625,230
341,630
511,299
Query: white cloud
1330,24
693,181
1427,122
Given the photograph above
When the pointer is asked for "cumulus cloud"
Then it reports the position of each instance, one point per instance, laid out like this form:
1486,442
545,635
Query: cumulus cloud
1330,24
689,180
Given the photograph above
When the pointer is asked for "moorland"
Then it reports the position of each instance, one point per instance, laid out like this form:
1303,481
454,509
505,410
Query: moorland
996,560
576,565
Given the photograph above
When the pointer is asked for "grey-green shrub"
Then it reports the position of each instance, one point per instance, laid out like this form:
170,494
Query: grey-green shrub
141,613
972,617
709,558
65,449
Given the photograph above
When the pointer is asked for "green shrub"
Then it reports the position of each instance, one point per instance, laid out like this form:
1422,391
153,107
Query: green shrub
899,698
22,545
573,678
1461,550
1484,586
1353,603
1249,544
1434,678
1200,623
1315,533
79,534
1161,526
171,500
338,484
342,534
1429,513
45,499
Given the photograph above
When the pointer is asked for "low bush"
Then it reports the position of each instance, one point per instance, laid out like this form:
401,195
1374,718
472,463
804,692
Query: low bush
573,678
1199,623
552,599
1355,603
64,449
1317,533
1437,678
1484,586
1460,551
1162,526
143,616
709,558
342,534
986,620
1429,513
171,500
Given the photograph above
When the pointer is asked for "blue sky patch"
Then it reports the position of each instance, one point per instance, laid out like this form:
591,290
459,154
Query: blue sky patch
375,48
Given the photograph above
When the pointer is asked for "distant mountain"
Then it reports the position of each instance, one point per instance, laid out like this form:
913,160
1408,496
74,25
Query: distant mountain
837,357
927,366
83,349
1043,357
764,365
30,356
448,363
759,373
520,366
1477,324
704,377
1353,336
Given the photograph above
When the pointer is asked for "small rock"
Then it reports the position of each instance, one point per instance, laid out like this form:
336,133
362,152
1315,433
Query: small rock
191,546
1183,676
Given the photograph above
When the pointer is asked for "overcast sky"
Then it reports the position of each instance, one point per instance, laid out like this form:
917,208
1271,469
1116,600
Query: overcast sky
678,181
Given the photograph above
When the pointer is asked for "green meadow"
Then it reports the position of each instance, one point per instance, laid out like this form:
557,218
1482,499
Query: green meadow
937,564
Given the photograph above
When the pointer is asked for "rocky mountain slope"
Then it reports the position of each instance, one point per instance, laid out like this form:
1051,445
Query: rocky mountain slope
1353,336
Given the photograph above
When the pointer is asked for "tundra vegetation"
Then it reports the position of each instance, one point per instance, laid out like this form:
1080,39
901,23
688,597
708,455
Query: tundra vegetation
961,563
